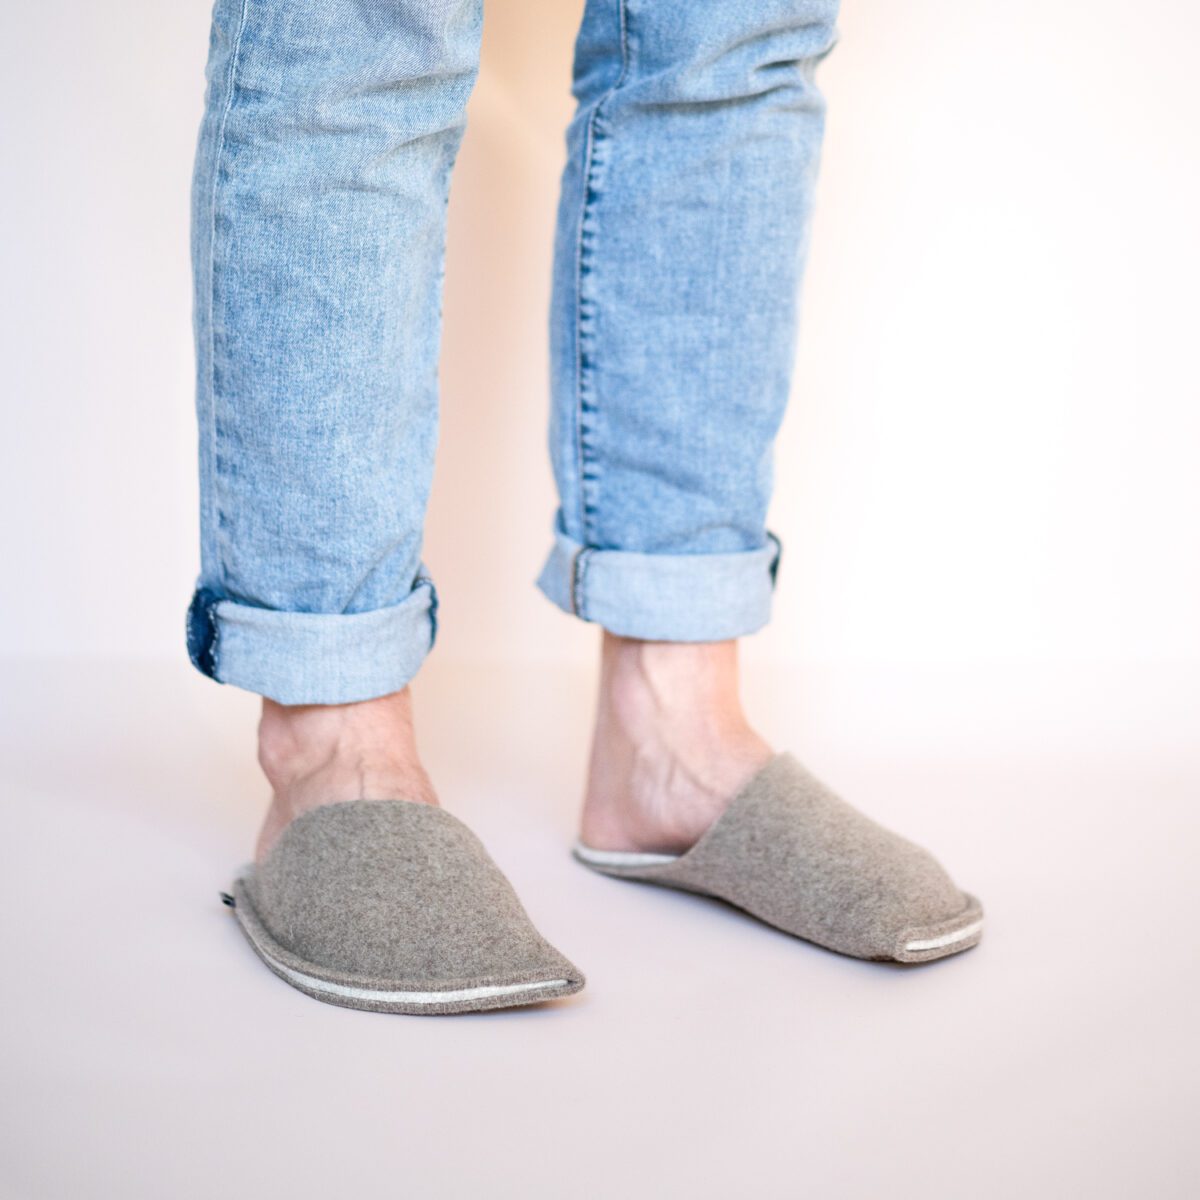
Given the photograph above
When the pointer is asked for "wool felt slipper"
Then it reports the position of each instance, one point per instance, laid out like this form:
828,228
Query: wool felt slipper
393,906
789,851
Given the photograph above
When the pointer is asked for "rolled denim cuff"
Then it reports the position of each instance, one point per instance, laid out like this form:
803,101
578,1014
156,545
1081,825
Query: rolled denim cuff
312,658
663,597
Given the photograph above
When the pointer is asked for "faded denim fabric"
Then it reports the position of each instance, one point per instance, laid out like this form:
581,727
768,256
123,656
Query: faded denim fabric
319,199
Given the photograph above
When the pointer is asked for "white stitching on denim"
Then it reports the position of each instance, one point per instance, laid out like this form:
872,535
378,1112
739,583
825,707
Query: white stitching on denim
623,19
218,154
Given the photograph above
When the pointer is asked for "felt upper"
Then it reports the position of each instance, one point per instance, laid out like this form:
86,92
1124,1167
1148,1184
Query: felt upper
793,853
399,892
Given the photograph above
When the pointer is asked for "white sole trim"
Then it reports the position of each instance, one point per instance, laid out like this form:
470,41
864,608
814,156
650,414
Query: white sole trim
376,996
946,939
621,858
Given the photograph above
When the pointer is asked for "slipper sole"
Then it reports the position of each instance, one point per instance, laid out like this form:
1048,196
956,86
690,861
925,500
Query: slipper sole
791,853
921,943
409,997
916,945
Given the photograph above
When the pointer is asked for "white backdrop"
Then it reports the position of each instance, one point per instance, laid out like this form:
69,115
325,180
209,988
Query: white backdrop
986,636
991,450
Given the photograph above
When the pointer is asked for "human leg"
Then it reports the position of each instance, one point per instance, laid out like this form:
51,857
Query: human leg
318,226
683,222
319,208
684,219
318,221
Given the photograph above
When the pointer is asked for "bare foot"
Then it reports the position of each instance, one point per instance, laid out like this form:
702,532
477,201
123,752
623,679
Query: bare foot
671,746
314,754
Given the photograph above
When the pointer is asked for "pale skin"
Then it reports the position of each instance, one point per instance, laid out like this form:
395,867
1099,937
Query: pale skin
671,747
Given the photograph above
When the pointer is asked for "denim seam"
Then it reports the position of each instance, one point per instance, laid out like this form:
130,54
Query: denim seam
425,580
579,565
584,311
774,567
214,647
216,516
203,632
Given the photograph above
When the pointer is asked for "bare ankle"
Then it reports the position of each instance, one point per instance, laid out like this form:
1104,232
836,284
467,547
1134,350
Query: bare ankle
296,740
672,744
328,754
673,690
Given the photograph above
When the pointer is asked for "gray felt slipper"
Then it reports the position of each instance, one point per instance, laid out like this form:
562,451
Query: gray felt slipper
792,853
393,906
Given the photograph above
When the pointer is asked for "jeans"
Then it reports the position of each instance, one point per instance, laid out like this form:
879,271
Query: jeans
318,217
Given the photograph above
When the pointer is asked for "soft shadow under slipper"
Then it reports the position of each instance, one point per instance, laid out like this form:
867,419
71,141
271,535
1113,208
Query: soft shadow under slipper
795,855
394,906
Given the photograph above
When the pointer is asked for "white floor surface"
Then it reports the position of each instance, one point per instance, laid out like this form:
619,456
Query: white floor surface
147,1053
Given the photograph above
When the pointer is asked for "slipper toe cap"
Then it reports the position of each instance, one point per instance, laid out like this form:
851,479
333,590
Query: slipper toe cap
899,905
401,897
793,853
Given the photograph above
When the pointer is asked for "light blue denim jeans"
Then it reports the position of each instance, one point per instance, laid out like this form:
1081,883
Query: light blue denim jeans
329,134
